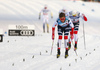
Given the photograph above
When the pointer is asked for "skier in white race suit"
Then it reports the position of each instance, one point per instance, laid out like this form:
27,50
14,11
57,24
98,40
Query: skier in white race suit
64,11
45,16
74,16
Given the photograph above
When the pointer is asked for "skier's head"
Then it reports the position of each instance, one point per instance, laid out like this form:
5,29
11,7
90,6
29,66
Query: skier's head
64,9
45,7
62,17
74,13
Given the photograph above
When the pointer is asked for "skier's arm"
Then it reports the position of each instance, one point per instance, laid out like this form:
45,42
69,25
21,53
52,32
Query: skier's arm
51,15
40,14
72,29
84,17
53,30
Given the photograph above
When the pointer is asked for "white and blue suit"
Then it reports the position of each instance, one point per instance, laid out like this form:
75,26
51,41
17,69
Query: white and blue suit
63,28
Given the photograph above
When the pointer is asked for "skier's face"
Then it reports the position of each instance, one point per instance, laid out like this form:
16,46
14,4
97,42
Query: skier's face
63,10
62,19
45,7
74,15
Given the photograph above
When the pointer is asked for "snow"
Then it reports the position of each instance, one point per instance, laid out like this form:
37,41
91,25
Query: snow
33,53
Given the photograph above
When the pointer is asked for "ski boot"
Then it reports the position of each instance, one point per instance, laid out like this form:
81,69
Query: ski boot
47,31
75,47
58,53
43,31
66,53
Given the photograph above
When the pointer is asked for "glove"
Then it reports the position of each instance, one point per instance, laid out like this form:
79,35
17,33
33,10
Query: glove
53,37
72,37
84,17
53,33
71,33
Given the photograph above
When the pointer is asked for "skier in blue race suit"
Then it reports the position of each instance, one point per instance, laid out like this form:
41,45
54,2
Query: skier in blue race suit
63,23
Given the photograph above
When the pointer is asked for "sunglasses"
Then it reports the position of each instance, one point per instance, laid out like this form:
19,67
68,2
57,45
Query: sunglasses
62,18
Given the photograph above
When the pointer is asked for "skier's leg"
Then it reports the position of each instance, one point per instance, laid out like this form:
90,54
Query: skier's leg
44,25
59,45
75,38
47,28
47,25
65,41
76,28
59,40
66,46
69,41
66,32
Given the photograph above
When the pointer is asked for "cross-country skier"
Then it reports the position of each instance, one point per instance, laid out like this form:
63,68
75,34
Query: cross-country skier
64,11
45,16
74,16
63,23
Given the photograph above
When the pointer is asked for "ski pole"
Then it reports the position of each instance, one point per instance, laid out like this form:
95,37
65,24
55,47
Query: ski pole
52,46
84,36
